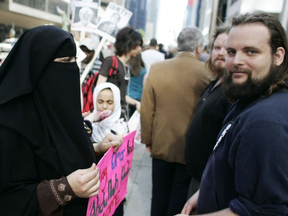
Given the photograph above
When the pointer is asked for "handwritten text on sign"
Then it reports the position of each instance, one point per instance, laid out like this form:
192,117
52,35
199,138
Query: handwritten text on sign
114,169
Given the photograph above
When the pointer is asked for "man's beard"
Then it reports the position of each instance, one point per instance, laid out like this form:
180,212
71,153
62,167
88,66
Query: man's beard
218,69
250,88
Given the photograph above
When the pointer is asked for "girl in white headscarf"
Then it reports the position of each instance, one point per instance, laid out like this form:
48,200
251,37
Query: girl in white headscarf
106,96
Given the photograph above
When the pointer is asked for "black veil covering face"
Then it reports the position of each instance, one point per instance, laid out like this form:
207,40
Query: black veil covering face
40,107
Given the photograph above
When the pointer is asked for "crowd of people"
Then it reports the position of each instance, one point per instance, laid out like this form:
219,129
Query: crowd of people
216,130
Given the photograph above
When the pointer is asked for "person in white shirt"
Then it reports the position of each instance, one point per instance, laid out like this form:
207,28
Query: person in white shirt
152,55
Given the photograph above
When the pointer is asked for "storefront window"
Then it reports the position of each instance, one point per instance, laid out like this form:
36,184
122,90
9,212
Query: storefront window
37,4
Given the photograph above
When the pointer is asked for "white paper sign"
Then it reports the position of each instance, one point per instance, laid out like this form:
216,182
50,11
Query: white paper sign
114,18
85,16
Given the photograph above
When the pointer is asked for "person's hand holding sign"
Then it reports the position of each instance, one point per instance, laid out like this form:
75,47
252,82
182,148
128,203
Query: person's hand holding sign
110,140
85,182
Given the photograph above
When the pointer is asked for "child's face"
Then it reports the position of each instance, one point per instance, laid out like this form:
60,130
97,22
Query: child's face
105,100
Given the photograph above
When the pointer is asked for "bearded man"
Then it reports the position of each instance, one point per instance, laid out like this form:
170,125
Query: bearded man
211,110
247,172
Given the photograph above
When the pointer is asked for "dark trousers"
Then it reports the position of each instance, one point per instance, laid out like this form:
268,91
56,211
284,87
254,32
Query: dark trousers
170,187
131,110
119,210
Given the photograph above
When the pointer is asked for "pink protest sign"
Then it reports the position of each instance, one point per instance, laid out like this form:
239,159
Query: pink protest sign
114,170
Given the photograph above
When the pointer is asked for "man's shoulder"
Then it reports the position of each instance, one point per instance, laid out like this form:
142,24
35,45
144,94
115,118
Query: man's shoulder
168,66
156,52
184,54
152,52
146,52
276,100
187,58
262,122
190,60
158,69
181,62
268,108
108,59
161,64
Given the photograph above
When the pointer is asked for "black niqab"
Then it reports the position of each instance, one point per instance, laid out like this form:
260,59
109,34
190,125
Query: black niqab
40,100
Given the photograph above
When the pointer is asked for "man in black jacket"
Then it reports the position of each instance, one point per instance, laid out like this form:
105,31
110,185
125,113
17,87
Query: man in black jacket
211,111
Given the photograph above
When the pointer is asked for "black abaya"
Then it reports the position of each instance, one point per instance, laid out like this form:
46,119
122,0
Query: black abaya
41,127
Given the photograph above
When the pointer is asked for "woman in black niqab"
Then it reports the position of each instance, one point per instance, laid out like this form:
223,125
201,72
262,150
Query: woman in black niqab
41,128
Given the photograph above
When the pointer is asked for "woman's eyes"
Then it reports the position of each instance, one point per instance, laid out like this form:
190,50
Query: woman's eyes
109,102
69,59
65,59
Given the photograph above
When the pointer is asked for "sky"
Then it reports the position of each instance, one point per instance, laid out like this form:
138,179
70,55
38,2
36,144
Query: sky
170,20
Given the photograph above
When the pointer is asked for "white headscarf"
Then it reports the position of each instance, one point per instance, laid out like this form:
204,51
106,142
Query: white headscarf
113,121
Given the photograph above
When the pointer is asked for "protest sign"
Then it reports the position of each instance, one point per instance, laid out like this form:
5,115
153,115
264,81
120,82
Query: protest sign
114,18
134,124
85,15
114,168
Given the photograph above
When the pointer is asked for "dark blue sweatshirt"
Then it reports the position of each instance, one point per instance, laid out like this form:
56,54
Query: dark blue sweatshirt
248,169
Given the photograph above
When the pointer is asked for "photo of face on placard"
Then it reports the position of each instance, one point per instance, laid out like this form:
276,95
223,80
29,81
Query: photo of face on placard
84,17
110,26
114,18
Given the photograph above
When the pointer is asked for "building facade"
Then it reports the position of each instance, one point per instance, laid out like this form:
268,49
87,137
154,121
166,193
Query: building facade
138,8
25,14
213,13
151,18
19,15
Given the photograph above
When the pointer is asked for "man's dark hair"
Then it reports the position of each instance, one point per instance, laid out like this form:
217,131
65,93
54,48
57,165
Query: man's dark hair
160,45
219,30
278,38
153,42
127,39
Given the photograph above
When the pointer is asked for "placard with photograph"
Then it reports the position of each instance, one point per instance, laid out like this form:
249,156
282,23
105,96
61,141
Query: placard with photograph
114,18
85,16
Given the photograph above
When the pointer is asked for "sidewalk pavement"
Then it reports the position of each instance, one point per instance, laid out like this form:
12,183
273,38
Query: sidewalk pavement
139,188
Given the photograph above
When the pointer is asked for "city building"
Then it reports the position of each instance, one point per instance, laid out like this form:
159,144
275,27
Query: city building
236,7
138,8
18,15
207,14
23,14
151,18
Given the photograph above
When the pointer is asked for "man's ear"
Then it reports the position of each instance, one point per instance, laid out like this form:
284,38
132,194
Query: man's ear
198,50
279,56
